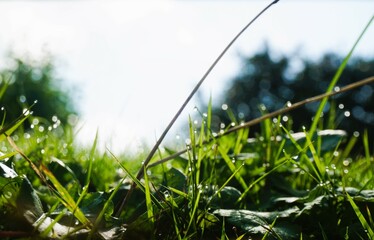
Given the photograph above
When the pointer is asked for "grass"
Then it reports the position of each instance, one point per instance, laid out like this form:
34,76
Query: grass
282,184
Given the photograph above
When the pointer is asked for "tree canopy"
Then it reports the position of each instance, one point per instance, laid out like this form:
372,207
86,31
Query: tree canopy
27,82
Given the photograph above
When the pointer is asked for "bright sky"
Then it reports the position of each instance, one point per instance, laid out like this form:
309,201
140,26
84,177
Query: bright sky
134,62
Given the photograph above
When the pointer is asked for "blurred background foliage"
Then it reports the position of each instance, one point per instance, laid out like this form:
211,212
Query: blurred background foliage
265,79
27,81
268,81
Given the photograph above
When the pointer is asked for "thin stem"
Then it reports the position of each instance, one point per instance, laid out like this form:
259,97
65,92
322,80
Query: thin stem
163,135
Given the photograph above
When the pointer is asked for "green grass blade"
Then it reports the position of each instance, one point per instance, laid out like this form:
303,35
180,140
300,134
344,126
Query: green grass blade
148,199
368,229
335,80
317,160
232,167
260,178
106,205
66,198
135,180
365,141
194,210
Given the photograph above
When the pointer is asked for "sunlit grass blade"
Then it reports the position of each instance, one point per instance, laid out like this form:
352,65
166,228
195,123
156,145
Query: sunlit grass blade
368,229
335,79
11,127
66,199
8,155
4,86
106,206
317,160
242,196
194,210
365,141
232,167
148,199
136,180
89,170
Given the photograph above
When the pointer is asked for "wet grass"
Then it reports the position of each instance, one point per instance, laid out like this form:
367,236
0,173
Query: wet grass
281,184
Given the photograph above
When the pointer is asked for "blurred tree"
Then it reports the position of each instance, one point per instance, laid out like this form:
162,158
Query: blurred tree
27,82
272,82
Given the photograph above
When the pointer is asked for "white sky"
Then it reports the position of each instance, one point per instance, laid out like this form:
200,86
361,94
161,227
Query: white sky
136,61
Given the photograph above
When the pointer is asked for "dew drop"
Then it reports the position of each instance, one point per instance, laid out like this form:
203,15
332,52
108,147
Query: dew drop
25,111
41,129
341,106
275,120
288,104
337,89
22,98
222,125
36,101
285,119
224,107
346,163
35,121
347,114
54,119
356,134
188,141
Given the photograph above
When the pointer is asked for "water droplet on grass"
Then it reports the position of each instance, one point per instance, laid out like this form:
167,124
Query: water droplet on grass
284,118
346,162
224,107
41,129
341,106
26,111
288,104
347,113
356,134
22,98
35,121
337,89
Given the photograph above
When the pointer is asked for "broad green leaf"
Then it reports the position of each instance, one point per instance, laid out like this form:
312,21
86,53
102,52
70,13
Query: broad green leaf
259,223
